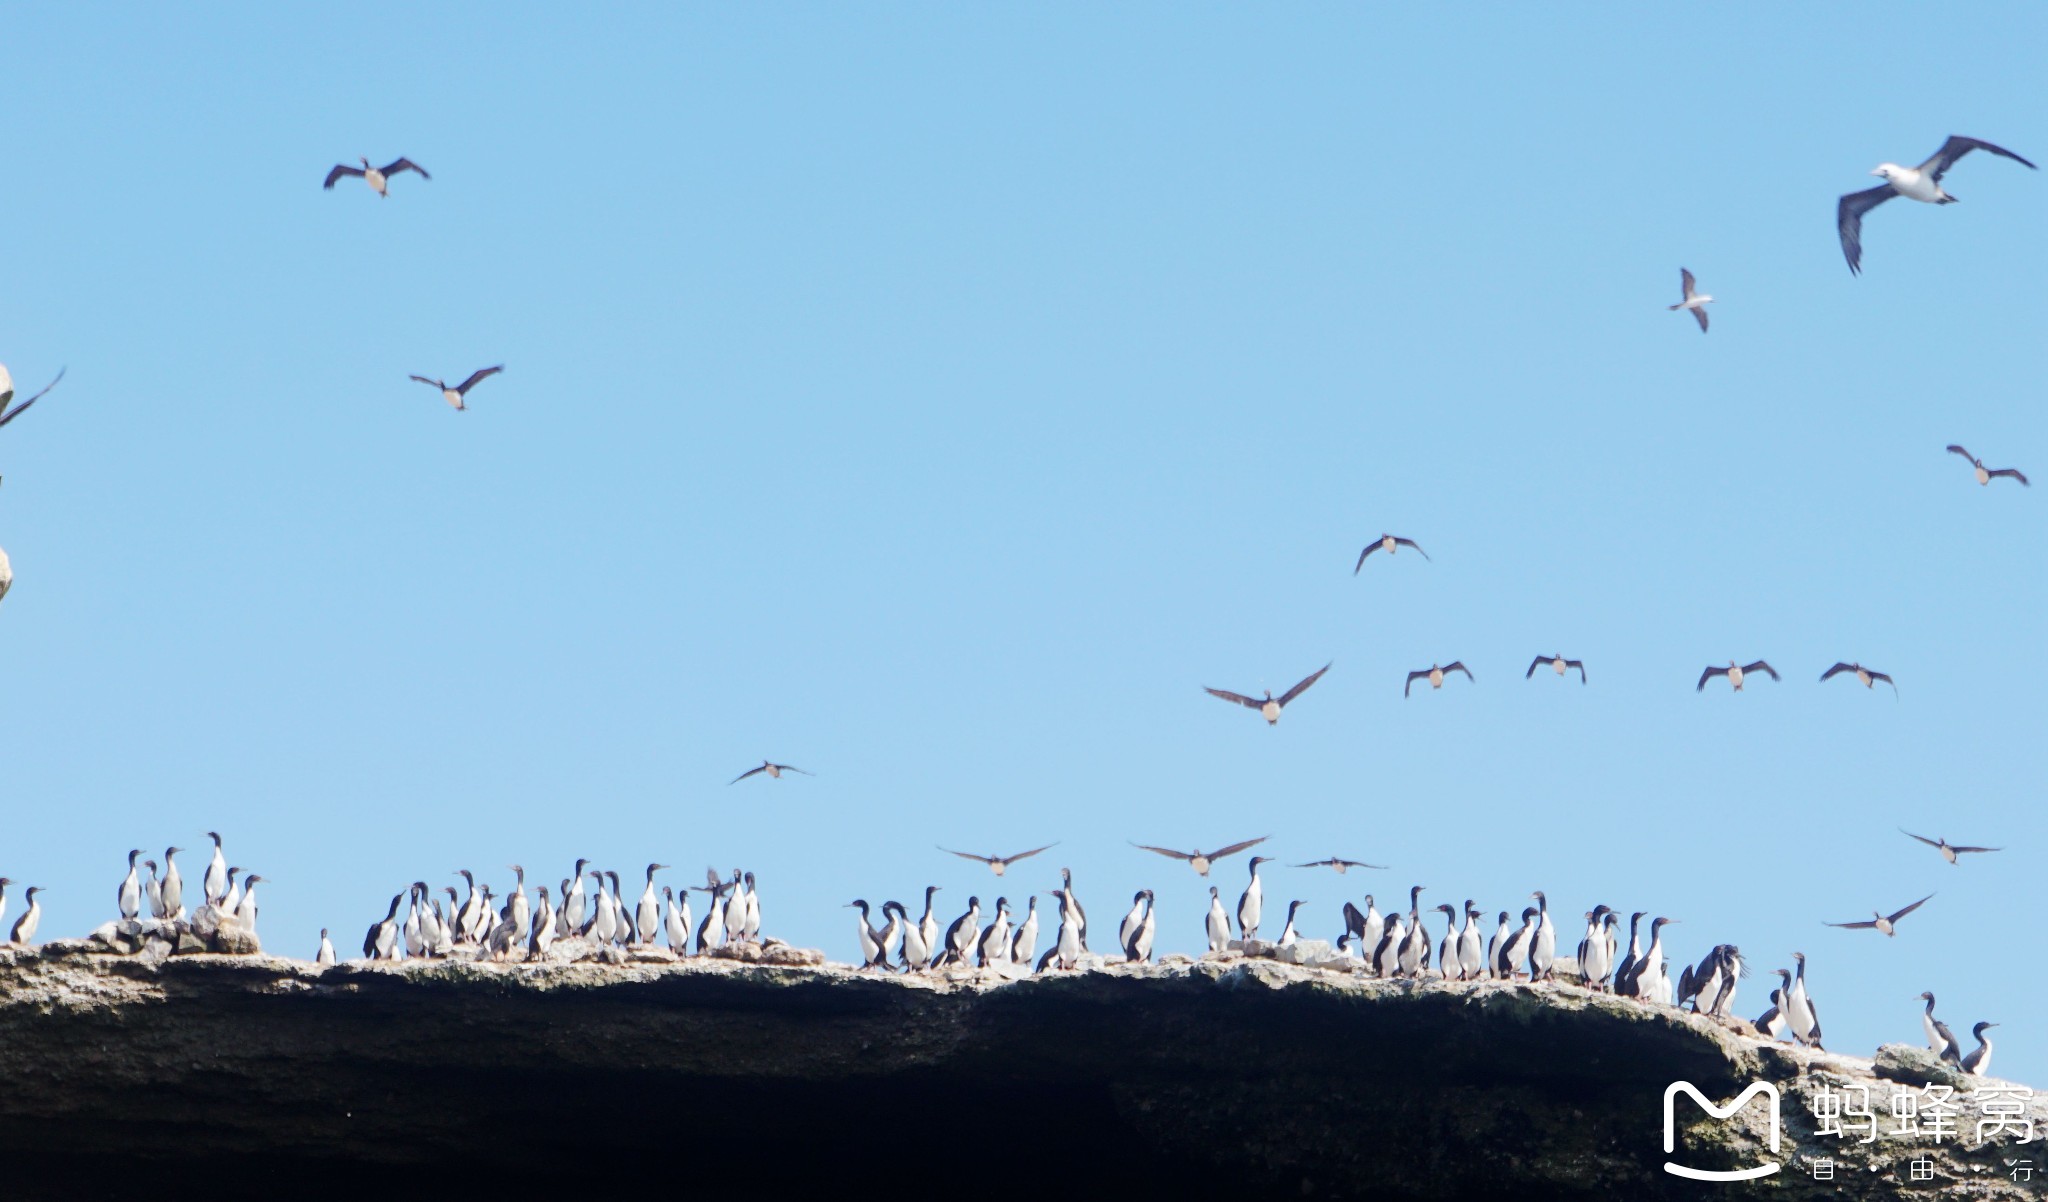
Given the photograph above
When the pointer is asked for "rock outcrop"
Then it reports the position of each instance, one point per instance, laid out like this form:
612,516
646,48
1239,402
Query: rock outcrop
1235,1075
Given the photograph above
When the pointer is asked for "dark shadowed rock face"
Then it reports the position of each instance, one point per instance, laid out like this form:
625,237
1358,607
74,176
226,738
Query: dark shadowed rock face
1246,1078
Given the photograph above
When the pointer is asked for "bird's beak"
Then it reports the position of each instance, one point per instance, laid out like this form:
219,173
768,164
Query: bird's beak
1878,173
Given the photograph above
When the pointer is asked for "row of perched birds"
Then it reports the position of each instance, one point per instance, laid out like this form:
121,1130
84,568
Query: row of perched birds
523,929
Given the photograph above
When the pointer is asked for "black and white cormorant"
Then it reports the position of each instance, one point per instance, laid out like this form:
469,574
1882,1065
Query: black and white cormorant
1198,860
376,177
998,864
1342,866
1800,1010
1269,706
1435,674
1735,674
1138,935
872,954
1940,1040
1288,935
1986,475
25,927
1867,677
1543,949
993,947
1217,925
129,896
1888,923
1771,1023
1977,1063
1251,903
381,941
1949,851
961,935
1388,543
1556,663
772,769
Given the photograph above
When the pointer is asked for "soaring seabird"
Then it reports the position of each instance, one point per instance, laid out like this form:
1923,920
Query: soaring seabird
1881,922
1977,1063
1556,663
1949,851
1940,1040
1922,183
129,896
1692,299
1388,543
1342,866
6,574
25,926
1986,475
1734,674
1270,706
215,882
1866,677
1251,902
1218,923
8,414
998,864
457,395
1201,861
773,769
376,177
1799,1008
1435,675
326,953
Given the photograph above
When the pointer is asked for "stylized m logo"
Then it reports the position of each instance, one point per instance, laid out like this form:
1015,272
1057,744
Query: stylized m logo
1672,1091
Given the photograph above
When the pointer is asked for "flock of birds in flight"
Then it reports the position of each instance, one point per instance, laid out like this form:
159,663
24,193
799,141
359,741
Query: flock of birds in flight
1391,945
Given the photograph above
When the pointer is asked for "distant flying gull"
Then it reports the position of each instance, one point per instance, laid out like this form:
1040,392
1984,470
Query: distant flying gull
1435,675
1864,676
1881,922
1387,543
1984,476
772,769
1270,706
1340,865
1735,674
1922,183
1556,663
7,395
997,864
376,177
1200,861
455,395
1949,851
1693,300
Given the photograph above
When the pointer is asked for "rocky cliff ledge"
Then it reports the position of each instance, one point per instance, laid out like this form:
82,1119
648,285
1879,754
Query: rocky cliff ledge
1245,1077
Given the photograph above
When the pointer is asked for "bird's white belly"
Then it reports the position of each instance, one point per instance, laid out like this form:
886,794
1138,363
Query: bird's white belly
455,398
1558,665
1436,680
1863,678
375,179
1271,710
1914,186
1735,678
1983,477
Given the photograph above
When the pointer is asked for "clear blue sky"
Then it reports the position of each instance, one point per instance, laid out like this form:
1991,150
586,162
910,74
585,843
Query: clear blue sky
937,398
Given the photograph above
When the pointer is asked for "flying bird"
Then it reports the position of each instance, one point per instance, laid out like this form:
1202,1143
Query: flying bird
1341,866
1270,706
1864,676
1435,675
1556,663
7,394
1734,674
376,177
1922,183
454,396
1949,851
1984,475
1199,861
772,769
1881,922
1387,543
1693,300
998,864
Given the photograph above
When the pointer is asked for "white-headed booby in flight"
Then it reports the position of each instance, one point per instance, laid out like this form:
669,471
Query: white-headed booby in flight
1881,922
376,177
1340,865
1388,543
1435,675
1867,677
1269,706
1949,851
1200,861
456,396
998,864
1987,475
1734,673
774,771
1922,183
1692,299
1556,663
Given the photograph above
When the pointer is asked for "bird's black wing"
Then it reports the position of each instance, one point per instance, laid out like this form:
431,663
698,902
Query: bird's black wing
479,374
1767,669
793,768
1849,221
1887,679
1409,542
438,385
968,855
1534,664
1227,695
1580,665
1457,666
2014,472
1023,854
1852,926
1953,449
1701,314
742,776
1708,675
338,172
1177,855
1924,839
1956,147
1909,909
1301,688
1685,283
1964,849
1354,922
1412,678
22,408
1370,547
398,165
1234,848
1836,670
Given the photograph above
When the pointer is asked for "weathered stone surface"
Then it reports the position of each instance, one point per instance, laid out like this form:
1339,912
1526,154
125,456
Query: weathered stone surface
1247,1078
1917,1066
